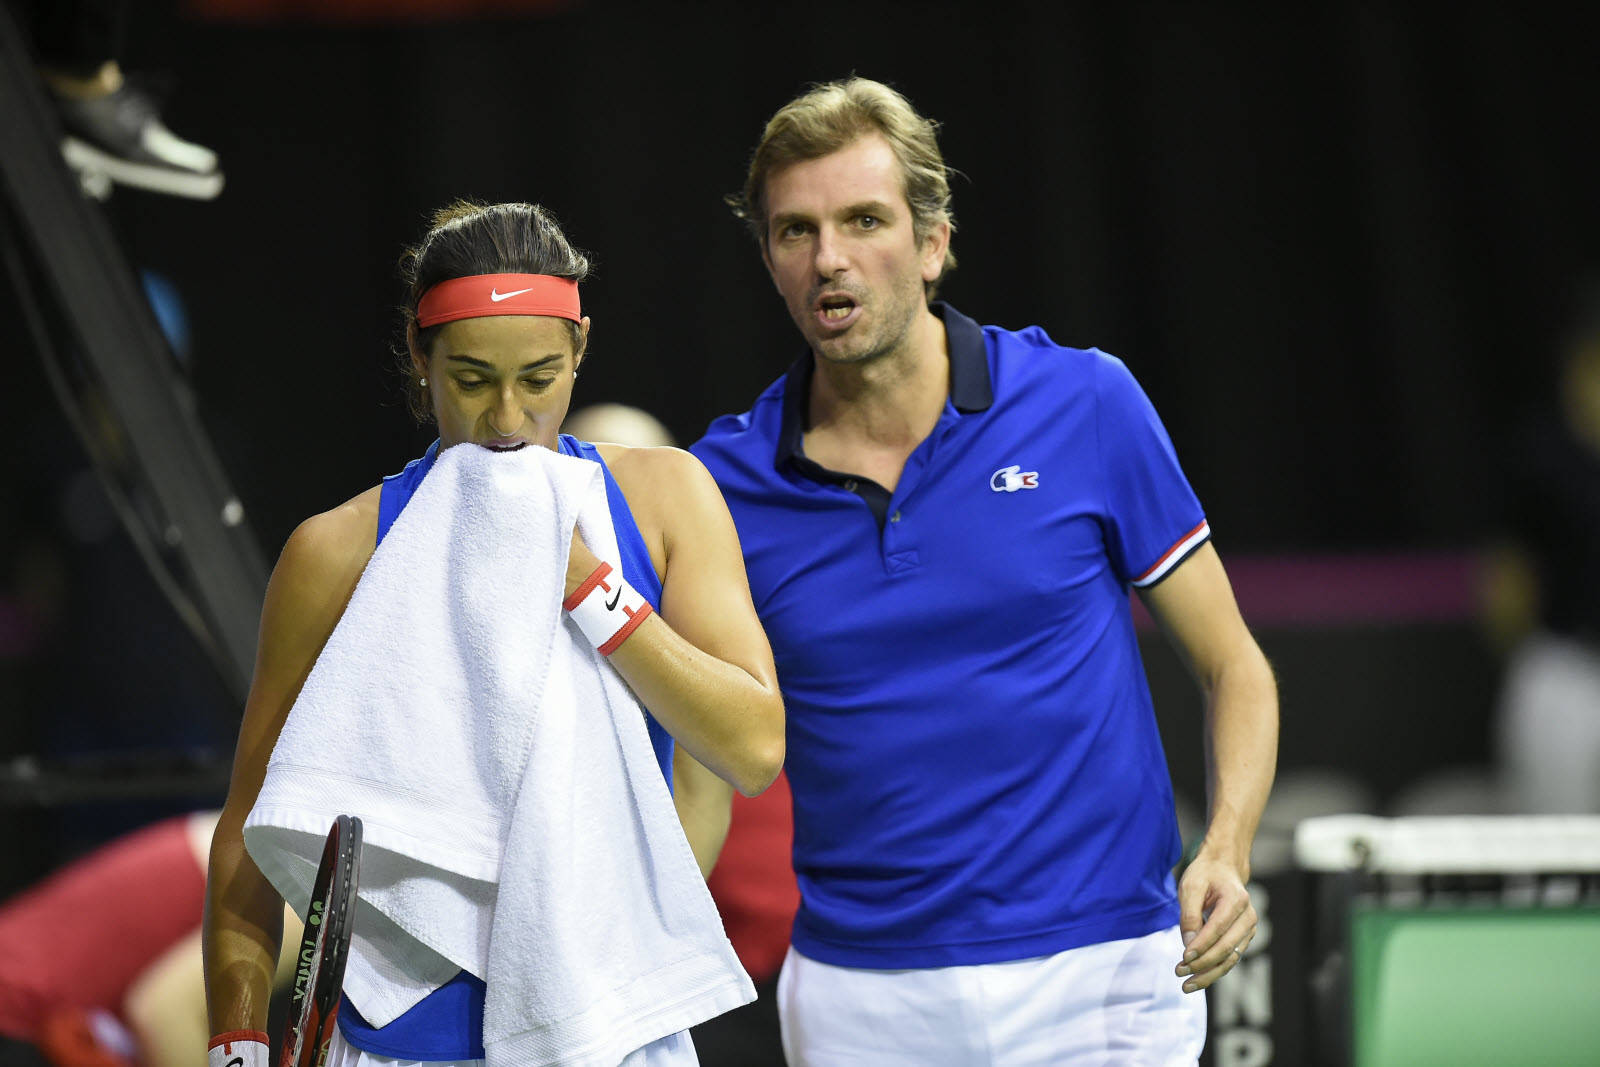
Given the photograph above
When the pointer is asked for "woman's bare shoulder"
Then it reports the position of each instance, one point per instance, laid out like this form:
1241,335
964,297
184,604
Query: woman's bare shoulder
650,469
668,490
335,545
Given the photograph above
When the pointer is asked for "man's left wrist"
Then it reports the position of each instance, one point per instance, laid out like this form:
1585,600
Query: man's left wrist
1226,852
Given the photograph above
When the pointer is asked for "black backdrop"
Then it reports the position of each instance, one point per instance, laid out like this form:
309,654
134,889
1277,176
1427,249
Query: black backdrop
1332,240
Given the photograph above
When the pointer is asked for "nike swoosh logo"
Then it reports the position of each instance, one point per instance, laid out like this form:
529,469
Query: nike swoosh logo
497,296
611,605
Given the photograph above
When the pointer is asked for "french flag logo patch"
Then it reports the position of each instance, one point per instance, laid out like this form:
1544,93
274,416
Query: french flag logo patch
1010,479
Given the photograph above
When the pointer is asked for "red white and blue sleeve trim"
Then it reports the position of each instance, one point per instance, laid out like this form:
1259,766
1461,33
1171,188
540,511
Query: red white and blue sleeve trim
1174,556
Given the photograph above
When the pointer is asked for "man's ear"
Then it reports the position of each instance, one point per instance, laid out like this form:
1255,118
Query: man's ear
934,247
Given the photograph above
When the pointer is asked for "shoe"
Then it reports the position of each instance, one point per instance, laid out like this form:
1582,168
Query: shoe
119,138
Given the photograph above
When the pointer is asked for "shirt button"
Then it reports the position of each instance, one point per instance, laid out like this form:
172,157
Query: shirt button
895,517
850,484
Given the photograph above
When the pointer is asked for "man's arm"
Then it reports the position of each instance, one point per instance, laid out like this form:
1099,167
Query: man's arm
1195,607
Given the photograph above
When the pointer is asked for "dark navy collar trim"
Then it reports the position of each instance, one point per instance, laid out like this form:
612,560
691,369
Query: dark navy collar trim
970,388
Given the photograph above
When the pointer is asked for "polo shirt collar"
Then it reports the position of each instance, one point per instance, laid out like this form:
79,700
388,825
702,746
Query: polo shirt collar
970,388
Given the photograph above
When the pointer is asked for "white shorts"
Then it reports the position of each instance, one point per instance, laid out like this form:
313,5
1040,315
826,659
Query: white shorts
674,1050
1105,1005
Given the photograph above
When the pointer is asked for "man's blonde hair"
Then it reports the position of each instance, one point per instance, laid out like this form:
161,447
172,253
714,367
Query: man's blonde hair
832,116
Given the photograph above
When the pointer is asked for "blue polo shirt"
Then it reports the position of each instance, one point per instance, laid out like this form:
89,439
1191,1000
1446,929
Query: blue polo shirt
976,769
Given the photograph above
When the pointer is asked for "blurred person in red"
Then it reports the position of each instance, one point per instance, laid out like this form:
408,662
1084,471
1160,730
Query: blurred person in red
100,961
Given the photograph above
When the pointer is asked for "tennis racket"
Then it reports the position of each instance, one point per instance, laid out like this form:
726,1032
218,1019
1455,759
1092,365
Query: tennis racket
319,973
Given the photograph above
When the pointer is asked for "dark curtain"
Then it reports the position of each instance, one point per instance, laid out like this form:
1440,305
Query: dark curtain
1332,240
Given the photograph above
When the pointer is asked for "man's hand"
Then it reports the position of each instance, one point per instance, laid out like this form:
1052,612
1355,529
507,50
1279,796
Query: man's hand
1217,919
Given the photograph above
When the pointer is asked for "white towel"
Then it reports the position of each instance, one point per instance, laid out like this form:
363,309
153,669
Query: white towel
516,823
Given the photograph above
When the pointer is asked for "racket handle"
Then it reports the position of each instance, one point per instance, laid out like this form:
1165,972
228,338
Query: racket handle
239,1048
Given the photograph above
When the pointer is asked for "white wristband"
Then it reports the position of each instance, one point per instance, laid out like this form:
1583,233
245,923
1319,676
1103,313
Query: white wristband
606,608
239,1048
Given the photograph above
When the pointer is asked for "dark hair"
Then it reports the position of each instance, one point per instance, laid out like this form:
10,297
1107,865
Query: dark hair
833,115
467,238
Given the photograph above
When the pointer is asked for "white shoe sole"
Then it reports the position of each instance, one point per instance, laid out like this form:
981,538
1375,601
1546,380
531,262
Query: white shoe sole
92,163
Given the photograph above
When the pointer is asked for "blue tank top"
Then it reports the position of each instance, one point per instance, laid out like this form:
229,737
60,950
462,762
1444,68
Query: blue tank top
447,1024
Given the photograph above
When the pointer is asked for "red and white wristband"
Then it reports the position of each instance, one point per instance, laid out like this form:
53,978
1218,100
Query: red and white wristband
606,608
239,1048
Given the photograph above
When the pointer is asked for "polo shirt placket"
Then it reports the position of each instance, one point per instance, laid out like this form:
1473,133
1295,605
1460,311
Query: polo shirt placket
970,392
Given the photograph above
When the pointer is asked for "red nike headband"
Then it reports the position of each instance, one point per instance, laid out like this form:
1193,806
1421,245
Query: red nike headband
480,295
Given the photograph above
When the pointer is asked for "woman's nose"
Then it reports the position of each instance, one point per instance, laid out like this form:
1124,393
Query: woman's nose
506,417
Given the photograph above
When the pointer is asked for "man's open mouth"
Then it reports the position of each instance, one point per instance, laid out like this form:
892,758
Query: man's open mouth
836,308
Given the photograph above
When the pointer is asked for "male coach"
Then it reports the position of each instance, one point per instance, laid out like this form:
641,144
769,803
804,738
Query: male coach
941,522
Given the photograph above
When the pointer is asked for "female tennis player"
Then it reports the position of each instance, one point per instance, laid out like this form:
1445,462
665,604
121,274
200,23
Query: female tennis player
496,369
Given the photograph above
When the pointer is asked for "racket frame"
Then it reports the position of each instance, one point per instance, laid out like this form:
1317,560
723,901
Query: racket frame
324,948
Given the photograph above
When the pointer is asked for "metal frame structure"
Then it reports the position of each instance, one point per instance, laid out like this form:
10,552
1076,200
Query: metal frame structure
161,469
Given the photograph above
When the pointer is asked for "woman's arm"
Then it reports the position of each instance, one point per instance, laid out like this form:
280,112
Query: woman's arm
705,808
306,595
702,665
